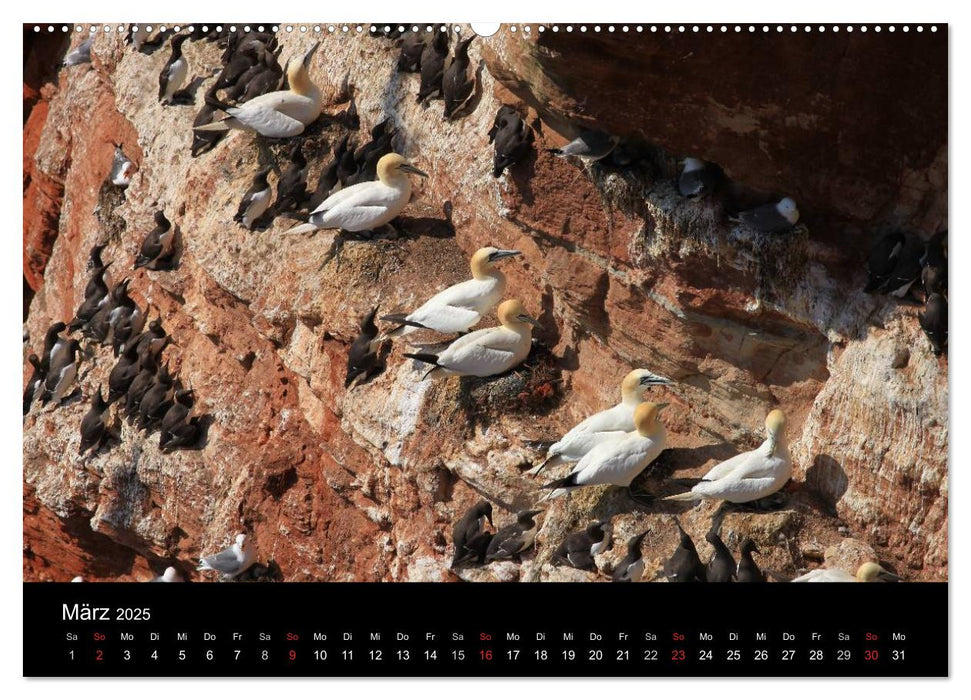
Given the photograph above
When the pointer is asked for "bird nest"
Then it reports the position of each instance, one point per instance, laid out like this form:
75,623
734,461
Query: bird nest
534,387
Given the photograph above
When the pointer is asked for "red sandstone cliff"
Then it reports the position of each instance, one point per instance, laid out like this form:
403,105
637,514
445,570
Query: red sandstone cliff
622,271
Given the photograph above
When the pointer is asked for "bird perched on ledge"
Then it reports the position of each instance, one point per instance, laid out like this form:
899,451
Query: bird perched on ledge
232,561
869,572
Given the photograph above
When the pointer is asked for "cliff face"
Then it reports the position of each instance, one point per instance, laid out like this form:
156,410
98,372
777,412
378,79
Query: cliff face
622,272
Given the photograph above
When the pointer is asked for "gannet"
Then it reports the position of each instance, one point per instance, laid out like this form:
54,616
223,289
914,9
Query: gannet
469,535
93,424
630,569
721,567
232,561
255,202
515,538
699,178
34,383
934,321
363,355
366,205
771,218
157,247
489,351
606,425
589,145
173,74
750,475
170,575
279,114
457,87
121,168
511,138
579,548
684,565
82,54
618,460
748,571
867,573
461,306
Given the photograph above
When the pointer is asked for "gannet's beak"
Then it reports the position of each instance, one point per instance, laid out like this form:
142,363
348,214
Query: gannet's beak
409,168
655,380
500,254
530,320
662,406
307,56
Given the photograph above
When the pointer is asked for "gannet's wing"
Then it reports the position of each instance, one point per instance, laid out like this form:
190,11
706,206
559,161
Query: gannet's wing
266,120
720,471
445,318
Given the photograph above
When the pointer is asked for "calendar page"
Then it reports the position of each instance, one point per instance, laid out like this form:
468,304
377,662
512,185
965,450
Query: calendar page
438,349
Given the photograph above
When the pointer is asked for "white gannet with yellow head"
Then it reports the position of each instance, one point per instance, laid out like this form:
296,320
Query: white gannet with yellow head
606,424
869,572
461,306
279,114
367,205
489,351
750,475
618,460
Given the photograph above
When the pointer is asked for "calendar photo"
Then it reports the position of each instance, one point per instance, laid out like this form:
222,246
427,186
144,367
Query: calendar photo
328,307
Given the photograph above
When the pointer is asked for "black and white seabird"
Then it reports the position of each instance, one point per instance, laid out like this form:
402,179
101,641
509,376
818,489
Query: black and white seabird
748,571
205,141
589,145
699,178
93,424
61,374
470,537
433,57
244,57
457,87
158,247
173,74
515,538
256,201
154,338
156,402
291,190
409,60
771,218
123,373
328,176
143,381
934,321
934,274
511,137
579,548
82,54
631,567
35,382
721,566
684,565
882,260
363,356
121,168
54,345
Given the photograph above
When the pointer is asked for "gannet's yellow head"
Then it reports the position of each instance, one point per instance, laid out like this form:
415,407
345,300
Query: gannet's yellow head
646,416
512,313
298,72
483,259
775,422
871,571
394,165
637,382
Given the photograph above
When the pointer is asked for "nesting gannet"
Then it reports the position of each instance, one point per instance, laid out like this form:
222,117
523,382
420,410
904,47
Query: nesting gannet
771,218
589,145
82,54
157,247
934,274
461,306
174,73
170,575
934,321
869,572
363,356
232,561
721,567
699,178
748,571
367,205
279,114
35,382
457,87
514,538
619,460
256,200
93,424
630,569
61,375
486,352
433,57
121,168
291,190
605,425
511,137
684,565
579,548
470,537
750,475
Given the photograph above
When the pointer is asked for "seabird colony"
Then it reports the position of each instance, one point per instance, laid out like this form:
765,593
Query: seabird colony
362,189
